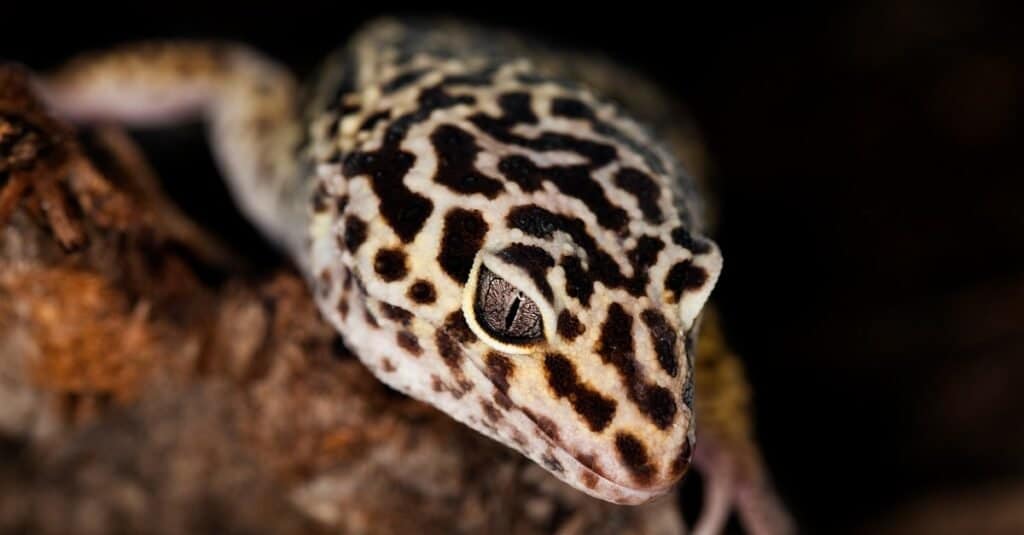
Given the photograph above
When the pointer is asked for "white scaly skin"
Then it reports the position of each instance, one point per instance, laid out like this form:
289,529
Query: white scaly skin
429,157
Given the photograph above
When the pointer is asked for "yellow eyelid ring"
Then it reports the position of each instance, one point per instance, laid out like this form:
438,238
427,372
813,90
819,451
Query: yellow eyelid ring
485,263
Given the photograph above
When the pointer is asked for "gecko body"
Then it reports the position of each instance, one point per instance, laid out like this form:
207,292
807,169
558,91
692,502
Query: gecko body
489,234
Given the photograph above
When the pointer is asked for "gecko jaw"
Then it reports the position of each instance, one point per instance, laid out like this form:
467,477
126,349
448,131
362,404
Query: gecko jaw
590,463
597,484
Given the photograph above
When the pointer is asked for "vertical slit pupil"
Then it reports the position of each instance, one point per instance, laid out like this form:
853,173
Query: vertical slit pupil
512,310
505,312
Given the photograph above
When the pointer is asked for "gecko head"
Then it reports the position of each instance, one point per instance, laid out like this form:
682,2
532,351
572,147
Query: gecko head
540,284
597,355
572,346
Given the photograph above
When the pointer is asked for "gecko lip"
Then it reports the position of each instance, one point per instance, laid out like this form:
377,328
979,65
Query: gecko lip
606,487
602,485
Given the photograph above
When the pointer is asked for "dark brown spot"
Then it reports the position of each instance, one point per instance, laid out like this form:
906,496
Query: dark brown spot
499,370
551,463
685,276
688,390
575,109
500,128
449,349
464,232
476,79
657,403
343,307
578,282
370,318
690,349
589,479
503,401
485,424
541,223
347,281
547,427
595,409
440,386
571,108
616,348
644,189
455,325
633,455
355,233
409,342
324,281
422,292
320,197
663,338
386,365
573,180
492,413
456,152
645,254
404,210
403,80
684,238
372,120
535,261
682,461
395,313
522,171
590,461
568,326
516,108
390,264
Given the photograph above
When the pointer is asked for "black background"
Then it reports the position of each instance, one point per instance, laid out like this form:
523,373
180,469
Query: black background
871,209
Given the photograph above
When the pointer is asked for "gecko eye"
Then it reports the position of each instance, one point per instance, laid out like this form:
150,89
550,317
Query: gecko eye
505,312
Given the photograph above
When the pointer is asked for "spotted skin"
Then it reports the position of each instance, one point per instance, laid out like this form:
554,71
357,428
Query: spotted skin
430,159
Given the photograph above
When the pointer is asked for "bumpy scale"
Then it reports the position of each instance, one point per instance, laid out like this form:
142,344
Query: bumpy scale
488,234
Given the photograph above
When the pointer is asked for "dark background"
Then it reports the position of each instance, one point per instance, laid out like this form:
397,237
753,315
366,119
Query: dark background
871,208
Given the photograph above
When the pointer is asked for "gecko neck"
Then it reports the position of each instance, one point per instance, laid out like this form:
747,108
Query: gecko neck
256,132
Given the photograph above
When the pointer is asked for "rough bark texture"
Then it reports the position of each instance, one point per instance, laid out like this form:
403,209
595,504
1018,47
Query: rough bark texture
149,382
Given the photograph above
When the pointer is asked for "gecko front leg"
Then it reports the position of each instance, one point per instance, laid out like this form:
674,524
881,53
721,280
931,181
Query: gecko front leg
727,454
249,104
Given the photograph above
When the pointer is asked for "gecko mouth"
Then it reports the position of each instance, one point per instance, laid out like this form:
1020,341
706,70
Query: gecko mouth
595,463
584,471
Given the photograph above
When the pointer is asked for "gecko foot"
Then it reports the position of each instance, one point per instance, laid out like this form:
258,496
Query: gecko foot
738,481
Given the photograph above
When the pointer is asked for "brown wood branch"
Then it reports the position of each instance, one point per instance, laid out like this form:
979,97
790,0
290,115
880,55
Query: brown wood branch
132,164
36,152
